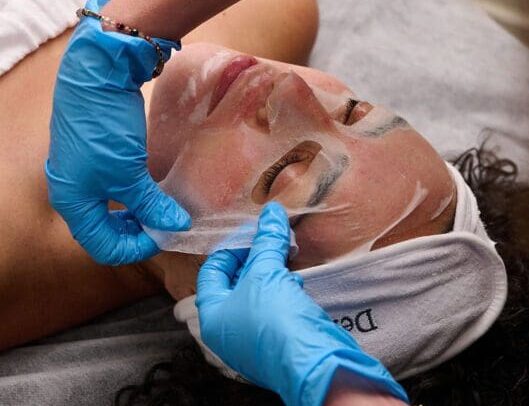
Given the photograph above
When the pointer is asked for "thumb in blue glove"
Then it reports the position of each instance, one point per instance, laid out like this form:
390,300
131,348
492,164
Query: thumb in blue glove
265,327
98,145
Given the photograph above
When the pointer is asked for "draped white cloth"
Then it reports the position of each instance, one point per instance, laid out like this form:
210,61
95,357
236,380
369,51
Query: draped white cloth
26,24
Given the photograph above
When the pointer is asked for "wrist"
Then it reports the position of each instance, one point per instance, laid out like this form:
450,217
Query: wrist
317,383
117,60
351,371
343,391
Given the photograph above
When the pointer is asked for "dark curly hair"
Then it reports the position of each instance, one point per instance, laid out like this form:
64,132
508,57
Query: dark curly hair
188,380
494,371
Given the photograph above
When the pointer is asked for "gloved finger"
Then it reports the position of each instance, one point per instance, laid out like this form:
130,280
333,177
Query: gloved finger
153,208
132,226
272,242
242,255
298,278
110,239
123,214
215,275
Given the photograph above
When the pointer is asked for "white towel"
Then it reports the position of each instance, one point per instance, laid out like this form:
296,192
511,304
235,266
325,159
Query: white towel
25,24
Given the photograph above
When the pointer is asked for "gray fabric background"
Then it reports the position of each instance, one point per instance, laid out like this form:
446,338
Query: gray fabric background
89,364
443,65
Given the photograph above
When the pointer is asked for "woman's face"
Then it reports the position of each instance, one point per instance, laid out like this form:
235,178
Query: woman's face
229,132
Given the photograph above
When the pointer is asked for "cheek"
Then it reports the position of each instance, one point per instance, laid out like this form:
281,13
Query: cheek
215,175
360,206
211,184
323,238
165,142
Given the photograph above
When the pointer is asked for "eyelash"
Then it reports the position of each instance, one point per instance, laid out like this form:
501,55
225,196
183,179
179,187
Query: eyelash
351,104
278,167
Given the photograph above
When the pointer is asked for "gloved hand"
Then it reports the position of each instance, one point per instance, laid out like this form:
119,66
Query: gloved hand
98,145
265,327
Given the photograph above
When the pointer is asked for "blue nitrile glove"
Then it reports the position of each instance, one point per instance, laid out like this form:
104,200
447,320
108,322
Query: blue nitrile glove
269,330
98,145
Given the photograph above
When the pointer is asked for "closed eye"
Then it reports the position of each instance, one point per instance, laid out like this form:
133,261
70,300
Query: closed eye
355,110
351,104
302,155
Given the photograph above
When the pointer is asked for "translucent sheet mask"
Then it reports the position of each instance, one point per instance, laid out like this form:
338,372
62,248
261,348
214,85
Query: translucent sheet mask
290,164
295,154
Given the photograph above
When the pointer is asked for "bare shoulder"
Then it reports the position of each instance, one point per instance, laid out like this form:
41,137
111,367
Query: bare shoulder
26,92
282,30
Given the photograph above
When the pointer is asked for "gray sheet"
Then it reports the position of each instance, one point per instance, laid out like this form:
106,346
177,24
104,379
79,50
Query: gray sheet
444,65
89,364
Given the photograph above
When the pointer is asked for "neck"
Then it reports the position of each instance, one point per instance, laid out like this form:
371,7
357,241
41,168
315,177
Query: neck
176,271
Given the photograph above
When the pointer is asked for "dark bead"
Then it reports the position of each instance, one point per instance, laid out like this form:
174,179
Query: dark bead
120,26
158,69
134,32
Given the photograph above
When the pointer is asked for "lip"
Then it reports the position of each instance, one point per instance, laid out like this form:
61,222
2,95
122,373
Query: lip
229,75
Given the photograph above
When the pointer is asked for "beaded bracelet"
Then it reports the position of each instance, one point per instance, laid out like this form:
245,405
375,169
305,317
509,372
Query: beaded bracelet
125,29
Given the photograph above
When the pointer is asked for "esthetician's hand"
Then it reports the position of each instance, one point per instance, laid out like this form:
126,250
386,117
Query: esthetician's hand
98,146
97,150
256,317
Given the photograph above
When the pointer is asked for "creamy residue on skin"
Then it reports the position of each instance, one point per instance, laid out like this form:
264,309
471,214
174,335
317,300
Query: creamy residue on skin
213,63
200,112
189,93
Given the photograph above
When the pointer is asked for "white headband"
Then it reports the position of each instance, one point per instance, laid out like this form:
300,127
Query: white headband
413,304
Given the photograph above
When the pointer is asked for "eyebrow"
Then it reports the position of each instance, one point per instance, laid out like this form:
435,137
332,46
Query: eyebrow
395,122
326,181
323,186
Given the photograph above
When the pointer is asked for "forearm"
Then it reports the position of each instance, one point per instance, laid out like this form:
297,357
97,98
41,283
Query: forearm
344,392
346,397
169,19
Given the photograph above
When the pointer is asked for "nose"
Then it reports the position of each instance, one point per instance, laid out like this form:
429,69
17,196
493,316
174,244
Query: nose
292,106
